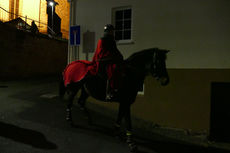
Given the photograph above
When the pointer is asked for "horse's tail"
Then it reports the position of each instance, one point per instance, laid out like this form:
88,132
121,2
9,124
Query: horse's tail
62,88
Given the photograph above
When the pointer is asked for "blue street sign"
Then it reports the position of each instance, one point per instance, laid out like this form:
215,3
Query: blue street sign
74,35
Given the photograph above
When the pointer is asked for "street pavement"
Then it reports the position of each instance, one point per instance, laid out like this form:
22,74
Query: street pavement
32,120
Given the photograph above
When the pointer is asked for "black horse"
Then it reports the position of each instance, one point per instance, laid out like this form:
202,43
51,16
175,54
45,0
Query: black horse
137,67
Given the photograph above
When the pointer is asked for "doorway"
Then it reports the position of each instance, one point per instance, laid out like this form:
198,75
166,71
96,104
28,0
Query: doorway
220,112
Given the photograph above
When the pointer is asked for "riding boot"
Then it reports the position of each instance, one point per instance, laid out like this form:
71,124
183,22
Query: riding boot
109,93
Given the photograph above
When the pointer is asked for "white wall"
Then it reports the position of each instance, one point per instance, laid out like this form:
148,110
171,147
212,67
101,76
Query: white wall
196,31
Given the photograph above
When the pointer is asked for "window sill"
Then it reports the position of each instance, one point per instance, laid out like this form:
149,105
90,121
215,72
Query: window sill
140,93
125,42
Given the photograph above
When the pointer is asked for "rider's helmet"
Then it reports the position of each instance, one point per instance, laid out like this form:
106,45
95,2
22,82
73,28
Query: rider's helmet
109,28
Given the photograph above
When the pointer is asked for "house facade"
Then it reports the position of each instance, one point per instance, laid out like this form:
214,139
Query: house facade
36,10
196,32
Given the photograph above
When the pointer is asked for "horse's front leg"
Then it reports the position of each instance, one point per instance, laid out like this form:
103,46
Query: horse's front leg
124,111
129,135
121,114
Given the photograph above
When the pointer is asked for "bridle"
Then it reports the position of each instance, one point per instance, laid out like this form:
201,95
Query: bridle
153,67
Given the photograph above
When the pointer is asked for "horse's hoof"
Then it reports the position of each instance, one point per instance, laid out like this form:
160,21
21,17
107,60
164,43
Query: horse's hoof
68,119
119,135
71,123
82,108
133,148
90,122
61,97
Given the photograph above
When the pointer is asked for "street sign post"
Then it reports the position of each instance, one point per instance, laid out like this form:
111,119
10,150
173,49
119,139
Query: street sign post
75,35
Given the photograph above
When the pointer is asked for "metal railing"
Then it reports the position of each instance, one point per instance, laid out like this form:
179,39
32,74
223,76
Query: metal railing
42,27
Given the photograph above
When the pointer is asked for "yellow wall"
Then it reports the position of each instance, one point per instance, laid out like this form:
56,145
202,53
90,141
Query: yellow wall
43,17
63,11
184,103
31,9
3,15
36,10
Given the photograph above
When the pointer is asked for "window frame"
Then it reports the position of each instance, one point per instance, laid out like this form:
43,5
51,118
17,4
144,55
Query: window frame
123,8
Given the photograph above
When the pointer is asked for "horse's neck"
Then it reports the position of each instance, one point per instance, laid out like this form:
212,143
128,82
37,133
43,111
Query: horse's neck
137,66
137,73
140,60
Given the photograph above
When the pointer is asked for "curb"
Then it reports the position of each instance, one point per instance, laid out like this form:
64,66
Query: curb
145,129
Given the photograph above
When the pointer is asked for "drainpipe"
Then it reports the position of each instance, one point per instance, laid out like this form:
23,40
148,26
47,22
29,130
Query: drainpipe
39,24
73,51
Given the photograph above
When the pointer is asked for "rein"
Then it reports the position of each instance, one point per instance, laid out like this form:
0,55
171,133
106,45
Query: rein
154,66
149,65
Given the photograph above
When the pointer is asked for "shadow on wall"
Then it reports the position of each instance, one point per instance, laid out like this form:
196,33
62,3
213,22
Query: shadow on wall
23,54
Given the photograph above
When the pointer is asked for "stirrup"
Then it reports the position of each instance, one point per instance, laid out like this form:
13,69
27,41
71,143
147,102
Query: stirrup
109,97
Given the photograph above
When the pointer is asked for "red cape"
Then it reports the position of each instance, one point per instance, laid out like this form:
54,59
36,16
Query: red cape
77,70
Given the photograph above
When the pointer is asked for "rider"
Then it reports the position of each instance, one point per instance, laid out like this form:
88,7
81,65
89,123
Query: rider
34,28
108,58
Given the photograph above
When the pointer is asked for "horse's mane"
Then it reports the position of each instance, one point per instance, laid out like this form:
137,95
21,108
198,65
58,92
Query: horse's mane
146,54
141,55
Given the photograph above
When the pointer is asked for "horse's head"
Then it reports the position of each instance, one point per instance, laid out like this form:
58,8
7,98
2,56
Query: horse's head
158,66
151,61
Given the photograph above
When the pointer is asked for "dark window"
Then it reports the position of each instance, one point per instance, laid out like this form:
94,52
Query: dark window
118,35
127,24
127,14
127,34
119,25
123,24
119,15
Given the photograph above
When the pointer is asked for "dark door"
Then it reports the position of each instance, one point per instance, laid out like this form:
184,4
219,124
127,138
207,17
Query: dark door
220,112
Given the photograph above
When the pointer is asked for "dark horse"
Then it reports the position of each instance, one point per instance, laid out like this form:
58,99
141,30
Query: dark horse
137,67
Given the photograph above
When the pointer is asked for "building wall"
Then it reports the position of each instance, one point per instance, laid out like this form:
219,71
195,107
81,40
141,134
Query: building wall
3,15
184,103
196,32
15,8
198,35
35,10
43,18
63,11
24,55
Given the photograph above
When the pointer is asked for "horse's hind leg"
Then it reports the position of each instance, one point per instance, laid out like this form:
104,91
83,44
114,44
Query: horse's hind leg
81,101
72,91
82,98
